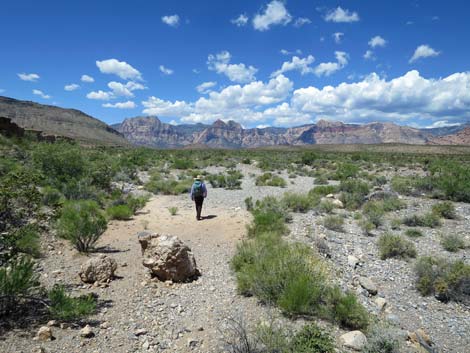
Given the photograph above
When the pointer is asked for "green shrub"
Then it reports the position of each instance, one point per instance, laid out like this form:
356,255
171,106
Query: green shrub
452,242
383,340
67,308
17,280
353,193
25,240
333,222
403,185
136,203
311,339
324,190
269,179
82,223
427,220
413,233
51,196
326,206
298,202
173,210
346,170
119,212
158,185
445,209
374,212
395,246
182,164
230,181
346,310
445,279
249,204
395,223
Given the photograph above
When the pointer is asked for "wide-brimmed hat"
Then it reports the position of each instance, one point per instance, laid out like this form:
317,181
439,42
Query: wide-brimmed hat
199,177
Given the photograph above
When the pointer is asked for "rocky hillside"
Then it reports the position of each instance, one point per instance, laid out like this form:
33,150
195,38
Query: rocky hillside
150,131
51,121
462,137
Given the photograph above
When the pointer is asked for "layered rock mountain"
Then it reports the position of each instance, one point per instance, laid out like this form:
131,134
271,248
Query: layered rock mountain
150,131
50,121
462,137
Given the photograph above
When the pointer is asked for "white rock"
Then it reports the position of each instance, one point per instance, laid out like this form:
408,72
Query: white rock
87,332
368,285
44,333
337,203
355,340
98,270
353,261
381,303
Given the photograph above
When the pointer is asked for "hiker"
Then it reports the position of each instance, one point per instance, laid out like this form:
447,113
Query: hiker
198,193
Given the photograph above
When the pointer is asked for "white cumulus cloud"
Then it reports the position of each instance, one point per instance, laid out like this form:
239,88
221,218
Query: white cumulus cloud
220,63
299,64
28,77
369,55
240,21
410,96
71,87
119,68
287,52
41,94
205,87
329,68
341,15
158,107
275,13
166,71
423,51
377,41
87,79
121,105
100,95
301,21
171,20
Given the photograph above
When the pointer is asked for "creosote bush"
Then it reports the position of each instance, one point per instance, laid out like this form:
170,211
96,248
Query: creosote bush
119,212
413,233
445,209
429,219
391,245
333,222
446,279
173,210
82,223
269,179
452,242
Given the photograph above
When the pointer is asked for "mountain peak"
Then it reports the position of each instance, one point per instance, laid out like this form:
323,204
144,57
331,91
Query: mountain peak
219,123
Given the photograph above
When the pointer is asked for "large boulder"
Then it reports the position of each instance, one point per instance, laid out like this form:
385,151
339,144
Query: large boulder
167,257
355,340
98,269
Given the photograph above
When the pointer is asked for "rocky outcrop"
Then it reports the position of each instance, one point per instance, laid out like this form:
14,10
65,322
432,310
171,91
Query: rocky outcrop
462,137
49,122
98,269
355,340
150,131
167,257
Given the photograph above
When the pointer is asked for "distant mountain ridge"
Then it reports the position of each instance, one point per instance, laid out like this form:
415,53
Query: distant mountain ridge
150,131
52,121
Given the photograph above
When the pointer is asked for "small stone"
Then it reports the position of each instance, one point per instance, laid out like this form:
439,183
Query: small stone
330,196
140,332
381,303
52,323
44,334
337,203
192,343
146,345
87,332
368,285
104,325
353,261
355,340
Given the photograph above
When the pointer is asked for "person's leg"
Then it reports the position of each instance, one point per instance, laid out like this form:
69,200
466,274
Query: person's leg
199,201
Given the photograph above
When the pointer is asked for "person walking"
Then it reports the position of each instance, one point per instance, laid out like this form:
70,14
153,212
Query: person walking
198,194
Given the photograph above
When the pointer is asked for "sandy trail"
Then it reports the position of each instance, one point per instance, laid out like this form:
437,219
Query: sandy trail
184,312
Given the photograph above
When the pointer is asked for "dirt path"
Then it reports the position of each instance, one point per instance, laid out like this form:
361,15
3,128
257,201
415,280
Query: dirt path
171,317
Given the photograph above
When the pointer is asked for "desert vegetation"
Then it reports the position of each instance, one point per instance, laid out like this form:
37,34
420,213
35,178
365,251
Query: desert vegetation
307,213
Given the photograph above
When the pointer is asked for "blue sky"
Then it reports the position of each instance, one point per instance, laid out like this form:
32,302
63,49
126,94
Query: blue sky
258,62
